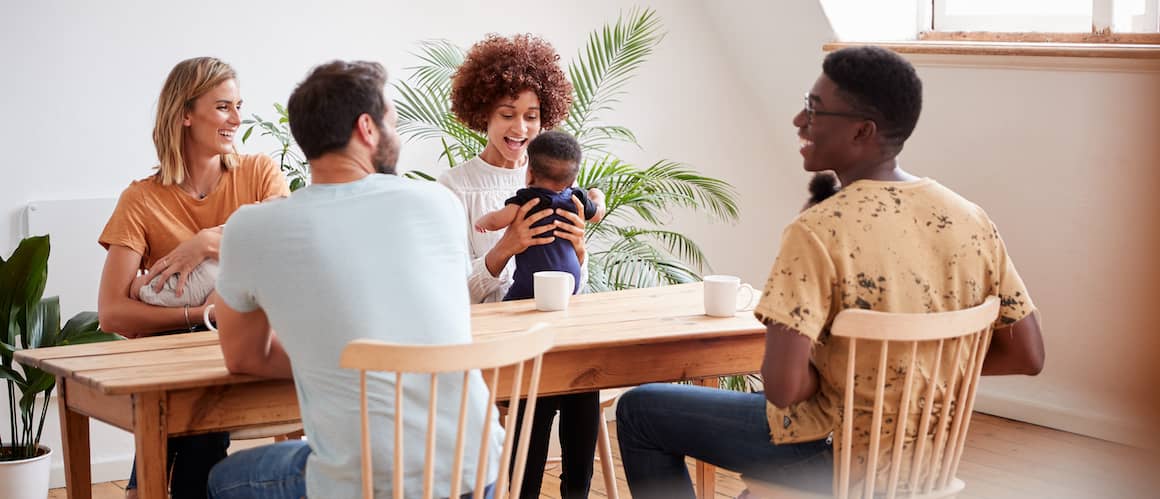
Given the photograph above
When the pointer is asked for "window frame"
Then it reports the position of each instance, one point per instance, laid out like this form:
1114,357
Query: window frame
1101,32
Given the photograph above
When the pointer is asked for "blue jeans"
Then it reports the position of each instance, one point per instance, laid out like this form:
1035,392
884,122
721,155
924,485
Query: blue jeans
659,424
276,471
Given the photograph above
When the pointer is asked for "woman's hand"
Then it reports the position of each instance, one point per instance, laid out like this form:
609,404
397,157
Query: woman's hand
573,229
138,282
183,259
518,237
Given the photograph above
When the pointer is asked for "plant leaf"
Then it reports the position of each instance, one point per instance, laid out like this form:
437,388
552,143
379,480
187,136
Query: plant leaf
419,175
13,375
22,280
601,70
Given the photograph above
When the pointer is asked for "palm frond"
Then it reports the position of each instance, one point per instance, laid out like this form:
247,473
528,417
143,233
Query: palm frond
418,175
442,58
677,244
426,114
608,62
633,263
598,138
690,189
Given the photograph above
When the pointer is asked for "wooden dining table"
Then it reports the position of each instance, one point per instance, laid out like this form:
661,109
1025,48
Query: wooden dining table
167,386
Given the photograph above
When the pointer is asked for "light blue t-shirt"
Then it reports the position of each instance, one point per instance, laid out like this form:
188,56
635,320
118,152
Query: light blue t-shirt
384,258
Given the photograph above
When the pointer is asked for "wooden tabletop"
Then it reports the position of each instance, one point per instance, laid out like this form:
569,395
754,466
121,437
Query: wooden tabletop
631,317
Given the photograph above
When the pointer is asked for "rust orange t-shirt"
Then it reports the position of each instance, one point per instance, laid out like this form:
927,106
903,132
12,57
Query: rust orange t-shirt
152,219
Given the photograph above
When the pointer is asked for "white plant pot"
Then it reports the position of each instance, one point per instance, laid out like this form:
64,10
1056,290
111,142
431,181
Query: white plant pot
27,478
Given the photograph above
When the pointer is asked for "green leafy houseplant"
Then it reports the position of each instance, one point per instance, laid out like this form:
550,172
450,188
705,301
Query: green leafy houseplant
29,321
290,160
631,247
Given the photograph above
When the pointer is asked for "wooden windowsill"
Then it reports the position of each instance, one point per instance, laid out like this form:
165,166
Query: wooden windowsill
1009,48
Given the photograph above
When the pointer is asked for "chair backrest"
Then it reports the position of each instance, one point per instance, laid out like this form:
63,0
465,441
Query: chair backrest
513,351
930,469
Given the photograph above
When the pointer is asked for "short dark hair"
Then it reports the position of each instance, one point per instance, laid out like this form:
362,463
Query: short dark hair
881,83
326,105
555,156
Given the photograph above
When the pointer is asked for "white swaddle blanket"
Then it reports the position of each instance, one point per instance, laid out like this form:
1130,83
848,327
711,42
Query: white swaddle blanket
198,287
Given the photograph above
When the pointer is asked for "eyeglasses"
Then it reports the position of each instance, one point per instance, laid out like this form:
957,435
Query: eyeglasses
811,112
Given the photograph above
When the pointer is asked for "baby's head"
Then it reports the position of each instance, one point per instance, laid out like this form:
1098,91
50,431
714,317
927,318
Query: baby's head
823,185
553,161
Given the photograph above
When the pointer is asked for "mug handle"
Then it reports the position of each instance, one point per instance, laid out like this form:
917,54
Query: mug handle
750,296
205,318
571,284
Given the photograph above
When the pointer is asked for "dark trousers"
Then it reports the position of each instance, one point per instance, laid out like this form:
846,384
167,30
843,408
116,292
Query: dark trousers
579,417
189,462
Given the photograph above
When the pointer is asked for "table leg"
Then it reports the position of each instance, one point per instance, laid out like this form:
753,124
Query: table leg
152,442
74,440
706,481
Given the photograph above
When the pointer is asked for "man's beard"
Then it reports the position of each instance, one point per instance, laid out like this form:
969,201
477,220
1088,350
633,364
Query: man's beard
386,155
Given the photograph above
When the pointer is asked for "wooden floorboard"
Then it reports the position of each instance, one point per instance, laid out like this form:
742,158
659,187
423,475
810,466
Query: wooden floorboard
1003,459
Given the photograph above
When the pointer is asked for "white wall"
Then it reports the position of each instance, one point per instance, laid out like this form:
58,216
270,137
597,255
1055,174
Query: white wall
1063,158
80,83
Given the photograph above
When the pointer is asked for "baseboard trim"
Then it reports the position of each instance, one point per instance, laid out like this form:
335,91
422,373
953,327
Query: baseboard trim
108,470
1096,425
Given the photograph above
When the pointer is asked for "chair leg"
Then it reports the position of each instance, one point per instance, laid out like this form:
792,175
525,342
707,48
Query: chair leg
604,444
607,467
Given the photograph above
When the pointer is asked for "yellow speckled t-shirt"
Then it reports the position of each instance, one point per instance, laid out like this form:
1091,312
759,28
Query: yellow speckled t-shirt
891,247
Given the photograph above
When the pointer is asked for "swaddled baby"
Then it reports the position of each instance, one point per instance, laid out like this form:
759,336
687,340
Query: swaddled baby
198,286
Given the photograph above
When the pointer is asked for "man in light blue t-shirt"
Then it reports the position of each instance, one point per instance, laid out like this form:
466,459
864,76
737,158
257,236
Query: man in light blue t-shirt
360,253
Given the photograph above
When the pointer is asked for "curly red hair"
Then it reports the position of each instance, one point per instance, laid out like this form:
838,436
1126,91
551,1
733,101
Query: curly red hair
498,67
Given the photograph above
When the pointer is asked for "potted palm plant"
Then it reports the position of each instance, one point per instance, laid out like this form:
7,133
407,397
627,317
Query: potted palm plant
631,246
29,321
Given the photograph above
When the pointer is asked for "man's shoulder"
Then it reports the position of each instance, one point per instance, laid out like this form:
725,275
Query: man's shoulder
258,216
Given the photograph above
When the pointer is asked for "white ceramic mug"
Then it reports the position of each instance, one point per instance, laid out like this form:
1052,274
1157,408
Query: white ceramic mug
722,293
552,289
205,318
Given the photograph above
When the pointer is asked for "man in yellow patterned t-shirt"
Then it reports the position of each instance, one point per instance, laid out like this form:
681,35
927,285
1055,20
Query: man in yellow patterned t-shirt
887,241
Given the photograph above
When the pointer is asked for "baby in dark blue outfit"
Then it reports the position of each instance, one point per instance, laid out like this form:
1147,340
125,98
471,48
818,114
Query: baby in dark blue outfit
553,163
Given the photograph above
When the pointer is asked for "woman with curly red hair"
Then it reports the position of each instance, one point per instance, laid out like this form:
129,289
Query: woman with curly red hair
511,88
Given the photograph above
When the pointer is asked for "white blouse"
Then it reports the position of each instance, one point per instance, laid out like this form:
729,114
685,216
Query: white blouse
482,188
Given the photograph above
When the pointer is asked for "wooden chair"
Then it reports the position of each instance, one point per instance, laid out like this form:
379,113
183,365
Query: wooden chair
604,444
934,461
514,351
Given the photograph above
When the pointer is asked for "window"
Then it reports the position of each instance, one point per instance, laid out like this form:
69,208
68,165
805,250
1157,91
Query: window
1096,17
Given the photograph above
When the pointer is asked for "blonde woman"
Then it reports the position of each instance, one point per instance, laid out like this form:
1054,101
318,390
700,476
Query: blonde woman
169,222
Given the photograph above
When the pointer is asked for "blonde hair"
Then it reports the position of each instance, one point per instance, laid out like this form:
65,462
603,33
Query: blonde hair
188,80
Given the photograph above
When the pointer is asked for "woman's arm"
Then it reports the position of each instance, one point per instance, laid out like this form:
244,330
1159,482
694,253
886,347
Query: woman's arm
518,237
119,313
